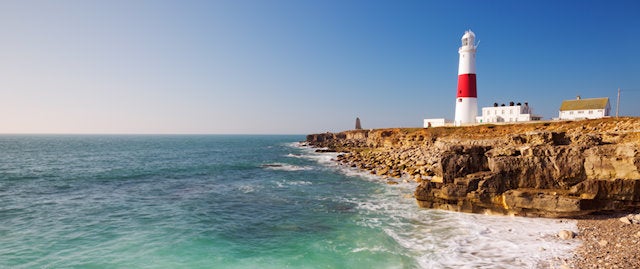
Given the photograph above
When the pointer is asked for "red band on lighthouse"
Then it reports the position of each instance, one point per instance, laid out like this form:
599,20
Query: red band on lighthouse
467,85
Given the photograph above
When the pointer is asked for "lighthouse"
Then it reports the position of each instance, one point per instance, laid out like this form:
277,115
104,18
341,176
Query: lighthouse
467,96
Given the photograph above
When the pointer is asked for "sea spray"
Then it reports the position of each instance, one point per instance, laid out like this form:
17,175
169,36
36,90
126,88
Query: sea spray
442,239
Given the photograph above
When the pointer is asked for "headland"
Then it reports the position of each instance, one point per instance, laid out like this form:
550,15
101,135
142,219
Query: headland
543,169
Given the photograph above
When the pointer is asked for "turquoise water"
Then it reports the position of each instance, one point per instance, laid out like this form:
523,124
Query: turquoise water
231,202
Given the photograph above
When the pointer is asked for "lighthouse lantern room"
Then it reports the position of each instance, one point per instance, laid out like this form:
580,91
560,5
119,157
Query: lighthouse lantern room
467,97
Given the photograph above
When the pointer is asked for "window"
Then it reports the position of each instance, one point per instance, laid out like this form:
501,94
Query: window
570,112
590,111
580,112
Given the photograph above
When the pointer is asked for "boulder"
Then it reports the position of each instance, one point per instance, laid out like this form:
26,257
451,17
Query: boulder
625,220
566,234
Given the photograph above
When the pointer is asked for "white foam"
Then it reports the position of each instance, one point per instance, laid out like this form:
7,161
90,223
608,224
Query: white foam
310,153
284,183
328,159
369,249
480,241
247,188
299,183
286,167
443,239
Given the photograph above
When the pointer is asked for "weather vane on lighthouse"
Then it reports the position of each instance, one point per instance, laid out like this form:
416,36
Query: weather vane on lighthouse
467,96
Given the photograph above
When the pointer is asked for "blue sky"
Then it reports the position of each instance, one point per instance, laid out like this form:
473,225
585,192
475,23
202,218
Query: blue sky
300,66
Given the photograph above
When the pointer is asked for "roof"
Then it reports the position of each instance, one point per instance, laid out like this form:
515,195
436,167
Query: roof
582,104
468,33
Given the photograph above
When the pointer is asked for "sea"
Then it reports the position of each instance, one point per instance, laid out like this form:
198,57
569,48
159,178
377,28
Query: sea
235,201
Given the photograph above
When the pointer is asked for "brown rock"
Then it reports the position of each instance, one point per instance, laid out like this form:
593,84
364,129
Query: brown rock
542,202
549,169
625,220
565,234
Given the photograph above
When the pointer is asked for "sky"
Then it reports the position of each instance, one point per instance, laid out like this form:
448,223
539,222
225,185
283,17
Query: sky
298,67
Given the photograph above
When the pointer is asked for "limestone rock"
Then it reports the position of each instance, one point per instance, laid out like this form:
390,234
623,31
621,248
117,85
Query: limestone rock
566,234
542,202
625,220
631,219
553,169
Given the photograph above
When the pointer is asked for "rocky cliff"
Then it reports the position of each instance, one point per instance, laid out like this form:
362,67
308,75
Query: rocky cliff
551,169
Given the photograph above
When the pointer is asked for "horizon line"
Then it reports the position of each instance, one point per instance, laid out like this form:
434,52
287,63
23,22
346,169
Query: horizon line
141,134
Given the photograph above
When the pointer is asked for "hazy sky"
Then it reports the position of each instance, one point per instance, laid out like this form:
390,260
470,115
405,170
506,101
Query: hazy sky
300,66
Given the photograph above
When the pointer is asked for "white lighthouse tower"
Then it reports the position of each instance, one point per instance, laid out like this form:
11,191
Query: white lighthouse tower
467,97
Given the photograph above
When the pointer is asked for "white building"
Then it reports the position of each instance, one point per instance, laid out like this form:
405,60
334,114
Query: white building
435,122
589,108
511,113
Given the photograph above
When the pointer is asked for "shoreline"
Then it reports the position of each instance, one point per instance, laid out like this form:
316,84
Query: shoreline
560,169
564,260
603,240
607,242
585,171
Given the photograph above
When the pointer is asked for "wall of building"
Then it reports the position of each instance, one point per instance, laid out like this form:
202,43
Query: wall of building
583,114
515,113
434,123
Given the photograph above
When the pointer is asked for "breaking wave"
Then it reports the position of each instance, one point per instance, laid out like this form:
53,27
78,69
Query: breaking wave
286,167
444,239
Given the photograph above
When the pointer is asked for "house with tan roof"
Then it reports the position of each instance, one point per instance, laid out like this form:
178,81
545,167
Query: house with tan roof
587,108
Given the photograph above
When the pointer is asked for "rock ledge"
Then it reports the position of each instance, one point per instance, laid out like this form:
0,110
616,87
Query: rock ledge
551,169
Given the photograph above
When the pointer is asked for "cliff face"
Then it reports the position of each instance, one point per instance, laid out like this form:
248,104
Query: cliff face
553,169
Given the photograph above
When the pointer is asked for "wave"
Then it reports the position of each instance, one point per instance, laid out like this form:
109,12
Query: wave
309,153
445,239
369,249
291,155
284,183
286,167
